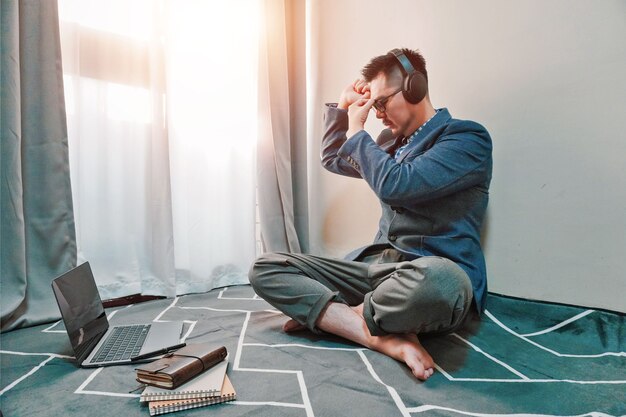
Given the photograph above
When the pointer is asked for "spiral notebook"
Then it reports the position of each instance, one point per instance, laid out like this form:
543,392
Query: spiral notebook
162,407
207,384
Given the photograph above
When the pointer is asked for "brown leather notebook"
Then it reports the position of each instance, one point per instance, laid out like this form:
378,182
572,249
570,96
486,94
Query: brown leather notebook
178,367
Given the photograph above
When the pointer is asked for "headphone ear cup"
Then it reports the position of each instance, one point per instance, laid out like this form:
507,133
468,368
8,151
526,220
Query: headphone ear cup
415,87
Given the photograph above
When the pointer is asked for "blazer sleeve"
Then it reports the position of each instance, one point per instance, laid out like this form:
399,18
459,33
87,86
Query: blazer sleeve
335,128
334,136
459,158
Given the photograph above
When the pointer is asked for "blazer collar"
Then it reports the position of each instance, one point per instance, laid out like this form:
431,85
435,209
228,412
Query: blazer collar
423,140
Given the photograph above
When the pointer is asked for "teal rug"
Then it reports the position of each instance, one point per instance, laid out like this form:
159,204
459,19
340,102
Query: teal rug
523,359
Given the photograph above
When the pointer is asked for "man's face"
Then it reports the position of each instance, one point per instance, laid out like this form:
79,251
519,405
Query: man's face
388,94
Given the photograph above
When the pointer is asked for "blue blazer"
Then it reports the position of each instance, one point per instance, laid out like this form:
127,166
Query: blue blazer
433,198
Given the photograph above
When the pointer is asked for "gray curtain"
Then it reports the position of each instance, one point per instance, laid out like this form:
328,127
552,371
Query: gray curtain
282,146
38,238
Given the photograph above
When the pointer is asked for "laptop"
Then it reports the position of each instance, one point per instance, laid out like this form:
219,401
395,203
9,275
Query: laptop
95,343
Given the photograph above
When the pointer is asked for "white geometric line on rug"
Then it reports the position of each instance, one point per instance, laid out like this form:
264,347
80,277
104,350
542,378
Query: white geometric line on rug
496,360
426,407
299,375
220,296
114,312
523,377
532,342
405,411
392,391
534,381
562,324
218,309
360,351
272,403
158,317
32,371
397,399
444,373
298,345
81,388
54,355
236,366
49,328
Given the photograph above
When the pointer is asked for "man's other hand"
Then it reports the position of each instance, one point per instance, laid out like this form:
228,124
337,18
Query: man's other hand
357,115
357,90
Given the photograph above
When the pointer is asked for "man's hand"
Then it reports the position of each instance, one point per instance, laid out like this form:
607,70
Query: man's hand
357,115
357,90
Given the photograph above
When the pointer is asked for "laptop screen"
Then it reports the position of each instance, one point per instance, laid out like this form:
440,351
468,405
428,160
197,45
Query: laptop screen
81,309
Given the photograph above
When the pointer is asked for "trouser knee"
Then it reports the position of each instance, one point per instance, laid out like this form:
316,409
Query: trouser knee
427,295
449,297
263,269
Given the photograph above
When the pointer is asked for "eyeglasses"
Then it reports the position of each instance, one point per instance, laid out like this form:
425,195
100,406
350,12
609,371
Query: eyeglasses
380,104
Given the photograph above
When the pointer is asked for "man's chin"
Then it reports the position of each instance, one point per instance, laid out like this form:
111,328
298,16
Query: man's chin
395,129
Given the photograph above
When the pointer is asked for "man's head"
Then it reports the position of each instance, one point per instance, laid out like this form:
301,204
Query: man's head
386,76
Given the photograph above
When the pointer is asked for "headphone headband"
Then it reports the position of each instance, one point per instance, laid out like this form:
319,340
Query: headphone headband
414,84
405,64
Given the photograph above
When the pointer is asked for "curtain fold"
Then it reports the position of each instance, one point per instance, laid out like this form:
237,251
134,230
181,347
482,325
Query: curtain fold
282,142
189,169
115,75
38,238
162,124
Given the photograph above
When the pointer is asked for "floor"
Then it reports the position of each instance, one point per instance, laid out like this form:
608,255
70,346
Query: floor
522,358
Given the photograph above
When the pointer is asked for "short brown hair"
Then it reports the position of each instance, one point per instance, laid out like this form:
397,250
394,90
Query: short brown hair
388,64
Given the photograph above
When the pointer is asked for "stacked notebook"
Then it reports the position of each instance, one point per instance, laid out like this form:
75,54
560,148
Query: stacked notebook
209,386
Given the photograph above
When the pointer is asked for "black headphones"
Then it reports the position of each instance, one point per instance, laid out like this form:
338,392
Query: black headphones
414,84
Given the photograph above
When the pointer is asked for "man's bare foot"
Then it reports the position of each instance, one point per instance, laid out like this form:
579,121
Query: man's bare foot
293,326
406,348
421,355
348,322
358,309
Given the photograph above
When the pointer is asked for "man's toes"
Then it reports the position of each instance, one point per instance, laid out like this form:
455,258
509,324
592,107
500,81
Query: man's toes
420,374
428,362
418,370
292,326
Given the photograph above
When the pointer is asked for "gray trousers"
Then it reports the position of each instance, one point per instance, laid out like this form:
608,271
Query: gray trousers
425,295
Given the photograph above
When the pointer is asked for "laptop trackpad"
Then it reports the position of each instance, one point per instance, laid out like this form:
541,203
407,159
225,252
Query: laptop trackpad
162,336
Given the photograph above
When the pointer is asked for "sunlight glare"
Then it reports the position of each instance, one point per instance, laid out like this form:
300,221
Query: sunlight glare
123,17
212,71
129,103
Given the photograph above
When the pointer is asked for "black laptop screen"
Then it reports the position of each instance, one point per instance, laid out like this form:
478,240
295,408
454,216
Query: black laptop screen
81,309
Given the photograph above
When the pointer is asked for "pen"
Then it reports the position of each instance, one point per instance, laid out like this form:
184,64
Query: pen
157,352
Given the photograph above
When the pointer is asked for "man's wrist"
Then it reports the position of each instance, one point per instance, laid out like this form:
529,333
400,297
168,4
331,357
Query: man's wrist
351,132
336,106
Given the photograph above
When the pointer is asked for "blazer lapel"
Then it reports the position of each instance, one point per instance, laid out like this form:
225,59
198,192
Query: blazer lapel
425,140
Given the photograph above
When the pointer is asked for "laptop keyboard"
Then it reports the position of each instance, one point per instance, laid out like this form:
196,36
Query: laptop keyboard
123,343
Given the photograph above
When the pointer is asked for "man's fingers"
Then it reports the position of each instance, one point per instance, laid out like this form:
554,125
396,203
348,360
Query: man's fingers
361,86
367,102
358,103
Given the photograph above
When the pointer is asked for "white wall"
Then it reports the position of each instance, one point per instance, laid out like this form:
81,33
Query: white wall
548,80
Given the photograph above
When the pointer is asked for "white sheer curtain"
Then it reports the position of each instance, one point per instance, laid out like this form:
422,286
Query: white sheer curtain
161,99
